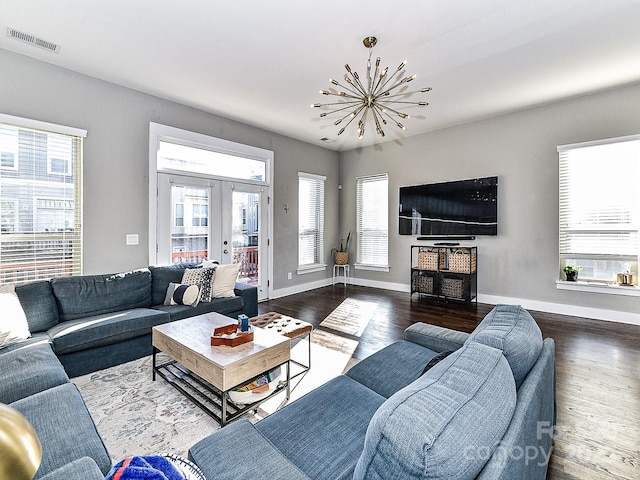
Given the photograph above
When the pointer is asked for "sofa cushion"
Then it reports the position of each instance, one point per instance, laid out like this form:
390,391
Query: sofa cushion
180,294
219,305
39,305
246,454
86,295
13,322
64,427
29,370
392,368
82,469
106,329
323,432
161,276
446,424
513,330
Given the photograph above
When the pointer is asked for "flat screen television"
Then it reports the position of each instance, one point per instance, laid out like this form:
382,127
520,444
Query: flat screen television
462,207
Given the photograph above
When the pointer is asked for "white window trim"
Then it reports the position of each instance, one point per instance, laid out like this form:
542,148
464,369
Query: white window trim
366,266
595,286
320,266
38,125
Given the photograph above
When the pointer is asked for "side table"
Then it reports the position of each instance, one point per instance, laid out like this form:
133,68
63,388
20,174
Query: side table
287,326
345,273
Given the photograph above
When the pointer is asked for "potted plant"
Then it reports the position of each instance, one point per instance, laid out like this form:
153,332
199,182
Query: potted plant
571,272
341,252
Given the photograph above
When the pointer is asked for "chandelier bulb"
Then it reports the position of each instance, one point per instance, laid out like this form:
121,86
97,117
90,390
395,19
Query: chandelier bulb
384,72
323,114
324,92
401,125
423,104
341,131
335,82
425,90
347,67
315,105
378,62
402,65
338,122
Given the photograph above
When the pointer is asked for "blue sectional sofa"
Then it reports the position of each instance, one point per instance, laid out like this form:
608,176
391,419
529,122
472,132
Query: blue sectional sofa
98,321
79,325
485,409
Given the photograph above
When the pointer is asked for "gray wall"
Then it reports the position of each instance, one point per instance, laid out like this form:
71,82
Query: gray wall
522,261
116,159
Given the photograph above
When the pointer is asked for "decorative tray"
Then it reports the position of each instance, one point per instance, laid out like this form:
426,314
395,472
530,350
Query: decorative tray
230,336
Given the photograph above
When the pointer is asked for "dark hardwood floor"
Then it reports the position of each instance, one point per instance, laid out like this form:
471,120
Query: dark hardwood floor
597,367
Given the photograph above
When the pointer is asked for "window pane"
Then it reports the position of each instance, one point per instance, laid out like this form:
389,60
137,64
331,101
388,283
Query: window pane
41,209
372,195
599,207
310,220
198,160
190,235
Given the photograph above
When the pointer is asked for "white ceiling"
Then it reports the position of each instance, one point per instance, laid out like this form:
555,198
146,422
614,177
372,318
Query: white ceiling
263,62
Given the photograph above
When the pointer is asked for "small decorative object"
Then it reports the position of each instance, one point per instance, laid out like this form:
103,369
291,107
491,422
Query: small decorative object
19,444
571,273
341,252
243,321
625,279
230,336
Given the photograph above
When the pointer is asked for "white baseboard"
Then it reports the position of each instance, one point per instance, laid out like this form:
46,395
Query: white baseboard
564,309
549,307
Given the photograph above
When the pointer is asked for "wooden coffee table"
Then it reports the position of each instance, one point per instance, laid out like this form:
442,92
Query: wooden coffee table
205,374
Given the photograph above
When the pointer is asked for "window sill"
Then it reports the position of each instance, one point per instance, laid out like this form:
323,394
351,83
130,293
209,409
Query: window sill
373,268
319,267
631,291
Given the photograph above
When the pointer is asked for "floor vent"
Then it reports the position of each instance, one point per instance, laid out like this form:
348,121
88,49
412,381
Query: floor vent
32,40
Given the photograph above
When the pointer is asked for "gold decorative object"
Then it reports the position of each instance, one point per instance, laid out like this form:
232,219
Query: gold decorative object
378,95
19,444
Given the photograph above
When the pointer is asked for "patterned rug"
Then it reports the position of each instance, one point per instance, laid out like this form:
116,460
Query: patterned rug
350,317
137,416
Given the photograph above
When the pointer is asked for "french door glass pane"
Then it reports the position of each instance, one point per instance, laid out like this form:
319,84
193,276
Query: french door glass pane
190,231
245,229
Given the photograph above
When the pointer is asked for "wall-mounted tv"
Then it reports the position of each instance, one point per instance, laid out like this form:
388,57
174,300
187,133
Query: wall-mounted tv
463,207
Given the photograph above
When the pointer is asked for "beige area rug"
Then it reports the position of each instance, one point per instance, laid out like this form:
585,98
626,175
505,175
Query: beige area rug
137,416
351,317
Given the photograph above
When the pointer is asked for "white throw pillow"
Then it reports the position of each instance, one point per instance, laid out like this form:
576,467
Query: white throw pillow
224,281
179,294
13,322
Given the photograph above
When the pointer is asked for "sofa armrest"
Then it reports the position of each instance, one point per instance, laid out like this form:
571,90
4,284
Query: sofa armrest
249,294
239,450
82,469
438,339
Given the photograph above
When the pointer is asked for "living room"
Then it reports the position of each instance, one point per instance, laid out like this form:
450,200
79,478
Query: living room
519,145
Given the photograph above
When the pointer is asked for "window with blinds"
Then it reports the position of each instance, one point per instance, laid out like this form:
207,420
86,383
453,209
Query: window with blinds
310,221
600,207
41,200
372,221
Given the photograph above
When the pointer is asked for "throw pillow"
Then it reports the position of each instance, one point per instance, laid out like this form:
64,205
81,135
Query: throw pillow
435,360
224,281
13,323
202,277
178,294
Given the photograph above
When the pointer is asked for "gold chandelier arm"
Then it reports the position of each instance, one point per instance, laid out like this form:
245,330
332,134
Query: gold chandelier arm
396,85
353,117
336,110
356,94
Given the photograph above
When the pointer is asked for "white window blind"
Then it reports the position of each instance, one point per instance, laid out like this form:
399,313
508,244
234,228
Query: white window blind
372,220
310,220
599,206
41,200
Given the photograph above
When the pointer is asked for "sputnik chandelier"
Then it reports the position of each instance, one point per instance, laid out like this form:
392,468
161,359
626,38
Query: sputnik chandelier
382,90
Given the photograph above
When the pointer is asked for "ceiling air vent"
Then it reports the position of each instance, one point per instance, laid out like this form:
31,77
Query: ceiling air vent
32,40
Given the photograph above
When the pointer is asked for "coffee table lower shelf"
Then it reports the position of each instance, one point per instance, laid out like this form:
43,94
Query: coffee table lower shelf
209,398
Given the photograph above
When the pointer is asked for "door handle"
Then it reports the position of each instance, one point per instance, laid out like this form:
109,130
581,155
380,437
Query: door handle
225,251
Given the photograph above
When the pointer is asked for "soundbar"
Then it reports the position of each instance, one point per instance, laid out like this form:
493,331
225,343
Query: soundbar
450,237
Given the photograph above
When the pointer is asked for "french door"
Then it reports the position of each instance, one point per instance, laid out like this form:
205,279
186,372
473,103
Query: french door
226,221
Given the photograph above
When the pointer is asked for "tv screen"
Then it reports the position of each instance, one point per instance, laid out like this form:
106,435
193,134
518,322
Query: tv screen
463,207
